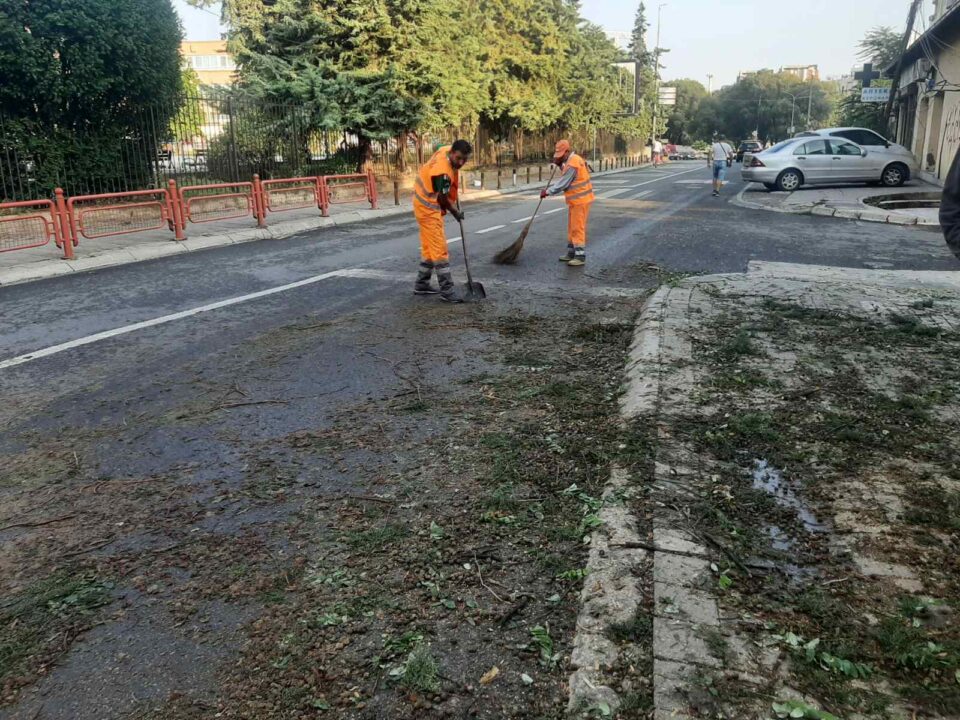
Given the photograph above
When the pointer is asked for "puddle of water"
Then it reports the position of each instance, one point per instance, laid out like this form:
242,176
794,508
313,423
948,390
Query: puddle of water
770,480
779,539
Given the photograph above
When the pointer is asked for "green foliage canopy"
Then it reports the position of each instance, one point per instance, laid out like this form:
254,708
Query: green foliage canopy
73,76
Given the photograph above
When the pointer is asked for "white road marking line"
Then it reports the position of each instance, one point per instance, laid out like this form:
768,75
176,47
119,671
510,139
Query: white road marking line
613,193
666,177
453,240
555,210
521,220
97,337
490,229
642,194
693,182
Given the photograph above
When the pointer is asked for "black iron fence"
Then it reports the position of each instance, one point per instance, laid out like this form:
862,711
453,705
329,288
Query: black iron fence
205,140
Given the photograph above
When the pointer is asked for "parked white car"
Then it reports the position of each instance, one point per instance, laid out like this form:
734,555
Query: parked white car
817,160
875,143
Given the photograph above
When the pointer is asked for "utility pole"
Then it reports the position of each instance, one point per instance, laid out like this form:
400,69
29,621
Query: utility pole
656,74
911,18
810,109
709,84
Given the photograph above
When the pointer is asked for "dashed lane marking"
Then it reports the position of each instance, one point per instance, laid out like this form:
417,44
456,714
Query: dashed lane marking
490,229
667,177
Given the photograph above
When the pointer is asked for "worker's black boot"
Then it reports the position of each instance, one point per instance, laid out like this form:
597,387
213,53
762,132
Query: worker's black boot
448,289
579,258
422,285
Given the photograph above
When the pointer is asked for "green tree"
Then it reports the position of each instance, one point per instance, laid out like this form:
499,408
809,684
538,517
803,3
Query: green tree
188,121
638,38
353,65
74,78
681,118
764,103
880,46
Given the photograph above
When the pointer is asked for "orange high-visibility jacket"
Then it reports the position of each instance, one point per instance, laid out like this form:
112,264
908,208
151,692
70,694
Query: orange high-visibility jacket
580,191
424,197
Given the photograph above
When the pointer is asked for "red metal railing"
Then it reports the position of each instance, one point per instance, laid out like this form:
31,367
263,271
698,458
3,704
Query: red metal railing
203,204
98,216
33,224
293,194
338,189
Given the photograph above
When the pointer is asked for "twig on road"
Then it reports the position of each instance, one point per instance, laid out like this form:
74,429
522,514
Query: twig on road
39,523
483,584
229,406
370,498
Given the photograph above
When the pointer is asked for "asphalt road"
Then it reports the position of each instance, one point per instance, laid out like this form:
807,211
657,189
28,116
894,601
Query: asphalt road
76,371
665,216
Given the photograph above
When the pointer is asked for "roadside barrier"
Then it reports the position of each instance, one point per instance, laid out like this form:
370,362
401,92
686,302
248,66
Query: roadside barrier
220,201
30,224
34,223
285,194
109,214
349,188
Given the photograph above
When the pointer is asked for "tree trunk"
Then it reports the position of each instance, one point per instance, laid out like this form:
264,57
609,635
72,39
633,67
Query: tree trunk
365,153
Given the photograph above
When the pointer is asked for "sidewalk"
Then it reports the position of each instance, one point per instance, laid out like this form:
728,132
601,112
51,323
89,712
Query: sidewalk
38,263
844,202
805,497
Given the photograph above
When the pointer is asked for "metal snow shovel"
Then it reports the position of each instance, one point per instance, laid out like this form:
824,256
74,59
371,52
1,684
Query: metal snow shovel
475,291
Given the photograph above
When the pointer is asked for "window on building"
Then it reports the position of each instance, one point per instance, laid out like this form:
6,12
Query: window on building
212,62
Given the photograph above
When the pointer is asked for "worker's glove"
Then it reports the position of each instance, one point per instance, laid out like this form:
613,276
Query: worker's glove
543,194
458,215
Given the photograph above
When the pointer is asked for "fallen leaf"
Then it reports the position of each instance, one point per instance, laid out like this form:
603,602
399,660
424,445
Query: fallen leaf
490,675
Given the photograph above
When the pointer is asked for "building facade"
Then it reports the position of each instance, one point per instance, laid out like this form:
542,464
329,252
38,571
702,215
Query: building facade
803,72
209,58
928,95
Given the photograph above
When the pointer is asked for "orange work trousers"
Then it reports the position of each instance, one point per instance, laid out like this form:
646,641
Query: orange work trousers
433,240
577,224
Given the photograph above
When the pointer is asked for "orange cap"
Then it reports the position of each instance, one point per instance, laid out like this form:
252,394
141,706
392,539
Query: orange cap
562,148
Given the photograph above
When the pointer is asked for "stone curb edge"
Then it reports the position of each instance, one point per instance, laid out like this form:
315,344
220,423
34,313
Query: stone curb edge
866,215
32,272
611,592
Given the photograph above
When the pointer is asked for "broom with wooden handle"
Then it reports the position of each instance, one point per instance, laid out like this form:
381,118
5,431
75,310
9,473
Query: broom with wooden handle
510,255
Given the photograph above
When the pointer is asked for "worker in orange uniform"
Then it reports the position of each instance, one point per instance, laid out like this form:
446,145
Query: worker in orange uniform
577,188
435,194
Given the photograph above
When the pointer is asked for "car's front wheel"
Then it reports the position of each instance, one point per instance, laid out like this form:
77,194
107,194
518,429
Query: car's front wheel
894,175
789,180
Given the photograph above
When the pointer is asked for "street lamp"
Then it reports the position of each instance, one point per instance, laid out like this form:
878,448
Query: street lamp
656,72
793,107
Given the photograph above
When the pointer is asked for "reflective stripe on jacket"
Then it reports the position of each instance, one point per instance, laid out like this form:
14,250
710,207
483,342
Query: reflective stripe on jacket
580,191
424,197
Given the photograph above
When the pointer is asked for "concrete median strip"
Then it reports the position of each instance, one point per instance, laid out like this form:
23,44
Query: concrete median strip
847,203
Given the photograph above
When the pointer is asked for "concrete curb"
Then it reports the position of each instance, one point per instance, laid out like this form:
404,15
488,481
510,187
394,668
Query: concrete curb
44,269
867,214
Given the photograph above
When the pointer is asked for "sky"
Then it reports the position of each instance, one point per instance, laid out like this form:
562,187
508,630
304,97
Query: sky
720,37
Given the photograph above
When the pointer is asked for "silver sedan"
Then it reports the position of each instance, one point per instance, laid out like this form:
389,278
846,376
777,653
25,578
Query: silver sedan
818,161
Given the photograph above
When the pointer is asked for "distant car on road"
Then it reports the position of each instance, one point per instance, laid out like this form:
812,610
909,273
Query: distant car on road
683,152
876,144
815,160
748,146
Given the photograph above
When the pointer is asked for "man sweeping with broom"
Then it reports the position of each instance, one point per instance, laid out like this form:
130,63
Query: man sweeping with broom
577,188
